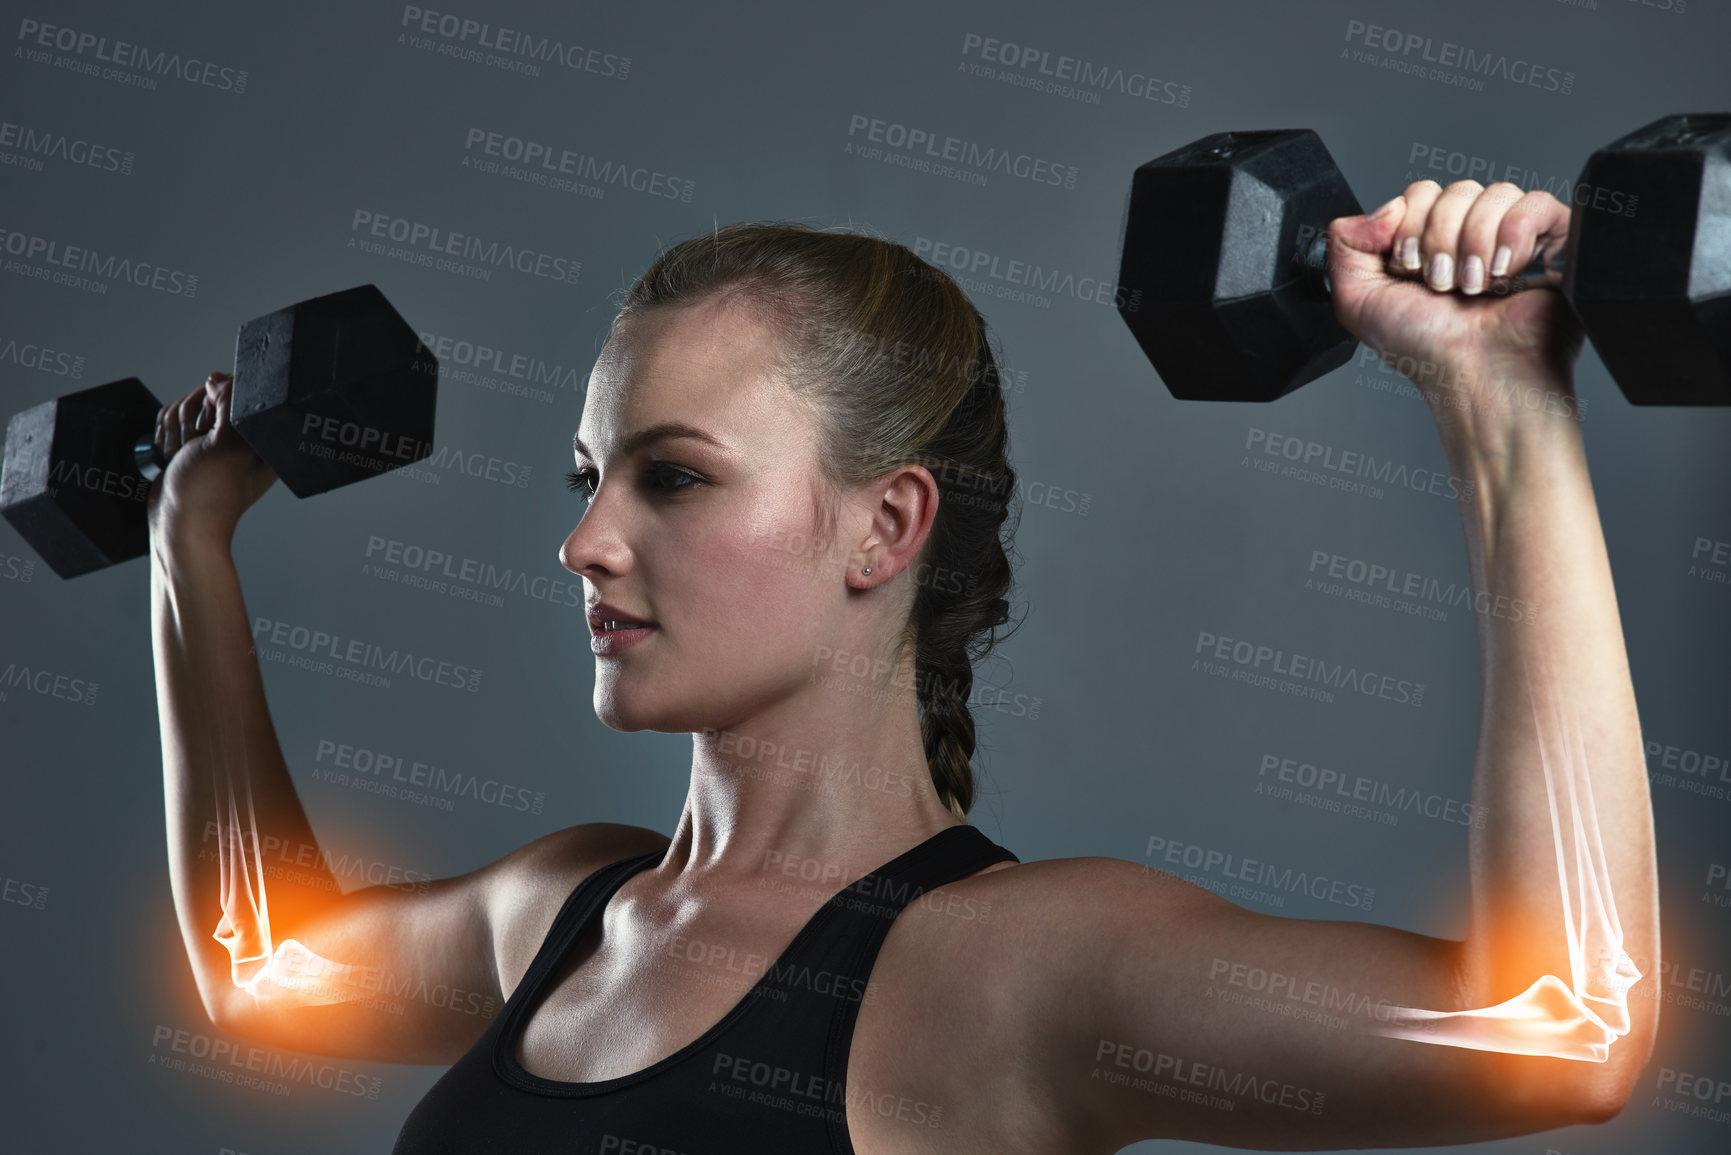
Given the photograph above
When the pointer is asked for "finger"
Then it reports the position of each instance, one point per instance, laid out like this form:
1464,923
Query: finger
1439,245
1420,196
1356,244
1475,252
1537,216
187,415
171,431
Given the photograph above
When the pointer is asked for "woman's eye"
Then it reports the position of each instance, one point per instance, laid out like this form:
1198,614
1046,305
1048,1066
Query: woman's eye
666,478
581,481
659,477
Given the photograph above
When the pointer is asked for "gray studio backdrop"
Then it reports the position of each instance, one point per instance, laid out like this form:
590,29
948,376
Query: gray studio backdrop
276,159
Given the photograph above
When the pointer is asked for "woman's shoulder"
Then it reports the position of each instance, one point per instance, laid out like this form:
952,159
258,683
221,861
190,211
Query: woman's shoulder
527,888
1021,920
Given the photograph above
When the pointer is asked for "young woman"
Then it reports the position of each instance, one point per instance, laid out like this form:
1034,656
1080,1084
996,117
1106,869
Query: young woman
793,458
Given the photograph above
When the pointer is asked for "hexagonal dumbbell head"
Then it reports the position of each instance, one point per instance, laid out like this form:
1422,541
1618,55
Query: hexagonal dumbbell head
1648,259
69,484
334,390
329,391
1223,239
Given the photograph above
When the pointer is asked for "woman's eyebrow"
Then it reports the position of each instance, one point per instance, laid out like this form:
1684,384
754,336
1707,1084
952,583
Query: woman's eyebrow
651,434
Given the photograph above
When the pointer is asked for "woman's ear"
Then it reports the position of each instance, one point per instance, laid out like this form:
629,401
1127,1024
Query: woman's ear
905,502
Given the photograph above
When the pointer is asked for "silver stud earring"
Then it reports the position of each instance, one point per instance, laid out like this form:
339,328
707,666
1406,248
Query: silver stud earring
867,569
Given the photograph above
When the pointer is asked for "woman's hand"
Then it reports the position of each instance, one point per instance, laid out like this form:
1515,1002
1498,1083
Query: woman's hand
213,475
1473,347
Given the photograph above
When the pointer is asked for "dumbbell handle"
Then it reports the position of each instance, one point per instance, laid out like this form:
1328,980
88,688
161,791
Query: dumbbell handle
149,457
1546,267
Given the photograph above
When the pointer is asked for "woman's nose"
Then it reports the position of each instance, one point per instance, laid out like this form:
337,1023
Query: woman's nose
593,544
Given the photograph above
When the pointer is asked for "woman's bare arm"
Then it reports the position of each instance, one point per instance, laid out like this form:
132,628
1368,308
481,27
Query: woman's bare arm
1187,1017
410,971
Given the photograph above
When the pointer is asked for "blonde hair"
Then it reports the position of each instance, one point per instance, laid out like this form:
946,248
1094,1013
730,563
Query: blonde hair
897,363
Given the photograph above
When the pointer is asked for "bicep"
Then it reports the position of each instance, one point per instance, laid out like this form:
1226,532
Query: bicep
387,974
1173,1013
415,973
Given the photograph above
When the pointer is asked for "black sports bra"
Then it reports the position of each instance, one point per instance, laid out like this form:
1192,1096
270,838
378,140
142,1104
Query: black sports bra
770,1078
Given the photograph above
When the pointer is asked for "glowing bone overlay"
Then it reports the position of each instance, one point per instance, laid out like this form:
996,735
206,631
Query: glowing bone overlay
1579,1019
291,974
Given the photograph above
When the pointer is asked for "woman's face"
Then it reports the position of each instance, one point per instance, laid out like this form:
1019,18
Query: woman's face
702,470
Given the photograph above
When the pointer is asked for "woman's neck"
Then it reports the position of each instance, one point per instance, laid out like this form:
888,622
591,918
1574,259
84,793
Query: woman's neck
822,789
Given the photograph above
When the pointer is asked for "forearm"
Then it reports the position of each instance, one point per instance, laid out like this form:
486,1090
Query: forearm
1558,721
218,744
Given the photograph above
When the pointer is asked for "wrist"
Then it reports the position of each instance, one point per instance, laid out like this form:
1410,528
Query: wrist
1486,414
181,547
1517,470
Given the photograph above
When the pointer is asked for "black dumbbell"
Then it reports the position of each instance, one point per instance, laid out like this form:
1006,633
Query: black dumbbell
1225,238
329,391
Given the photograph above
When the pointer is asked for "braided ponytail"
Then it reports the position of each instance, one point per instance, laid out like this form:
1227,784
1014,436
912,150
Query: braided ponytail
955,625
899,363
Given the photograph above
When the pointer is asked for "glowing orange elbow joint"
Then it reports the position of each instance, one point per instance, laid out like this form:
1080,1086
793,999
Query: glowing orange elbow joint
1575,1020
291,973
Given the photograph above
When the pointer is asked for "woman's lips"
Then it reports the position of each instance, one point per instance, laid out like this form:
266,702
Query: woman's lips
617,641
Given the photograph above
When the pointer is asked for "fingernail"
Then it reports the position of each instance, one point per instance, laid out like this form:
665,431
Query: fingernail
1386,209
1409,253
1500,261
1442,272
1472,274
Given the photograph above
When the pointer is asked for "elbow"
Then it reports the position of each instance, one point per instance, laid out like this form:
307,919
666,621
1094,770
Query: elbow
1604,1101
1603,1093
225,1008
